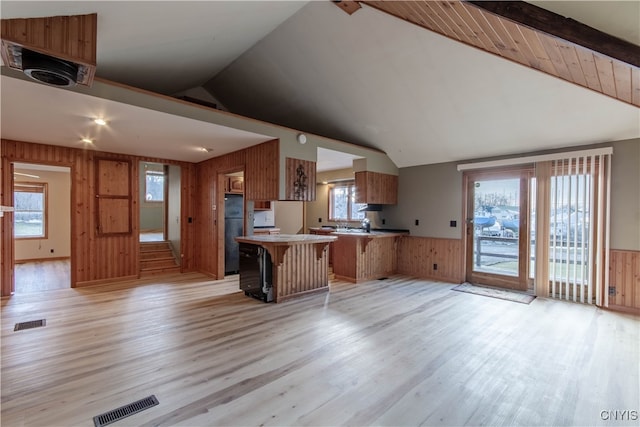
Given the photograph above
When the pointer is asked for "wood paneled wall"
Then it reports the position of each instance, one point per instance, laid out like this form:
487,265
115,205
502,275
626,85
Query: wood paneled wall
261,177
624,270
262,171
300,181
417,256
210,191
94,259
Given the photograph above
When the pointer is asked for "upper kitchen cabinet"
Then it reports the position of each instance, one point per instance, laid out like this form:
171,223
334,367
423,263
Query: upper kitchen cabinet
234,184
377,188
262,171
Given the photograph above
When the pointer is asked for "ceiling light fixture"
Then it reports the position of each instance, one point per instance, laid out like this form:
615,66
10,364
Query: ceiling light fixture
206,150
87,141
100,121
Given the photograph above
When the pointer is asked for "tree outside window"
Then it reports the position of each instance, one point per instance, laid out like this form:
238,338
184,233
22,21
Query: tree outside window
154,186
30,210
342,205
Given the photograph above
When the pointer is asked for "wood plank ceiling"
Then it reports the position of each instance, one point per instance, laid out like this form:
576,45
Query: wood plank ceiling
469,24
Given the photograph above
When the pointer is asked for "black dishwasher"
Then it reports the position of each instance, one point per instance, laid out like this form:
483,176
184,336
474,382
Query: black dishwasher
255,272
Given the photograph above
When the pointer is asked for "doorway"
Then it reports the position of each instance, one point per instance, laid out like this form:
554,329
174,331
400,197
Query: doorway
41,228
498,231
153,206
234,219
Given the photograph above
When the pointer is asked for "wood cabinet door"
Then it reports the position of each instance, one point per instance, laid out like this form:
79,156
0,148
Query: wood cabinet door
236,184
113,196
374,187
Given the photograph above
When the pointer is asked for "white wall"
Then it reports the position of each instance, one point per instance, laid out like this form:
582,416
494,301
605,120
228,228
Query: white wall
58,217
289,217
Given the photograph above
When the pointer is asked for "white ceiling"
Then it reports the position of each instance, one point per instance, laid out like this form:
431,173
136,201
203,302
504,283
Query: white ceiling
38,113
166,46
367,78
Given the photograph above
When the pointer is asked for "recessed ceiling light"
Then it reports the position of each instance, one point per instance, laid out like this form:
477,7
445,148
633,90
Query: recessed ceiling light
100,121
206,150
87,141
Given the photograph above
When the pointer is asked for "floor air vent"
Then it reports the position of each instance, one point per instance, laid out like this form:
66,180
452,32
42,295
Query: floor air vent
30,324
124,411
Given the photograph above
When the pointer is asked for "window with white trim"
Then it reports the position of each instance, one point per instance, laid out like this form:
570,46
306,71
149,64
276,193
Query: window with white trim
30,210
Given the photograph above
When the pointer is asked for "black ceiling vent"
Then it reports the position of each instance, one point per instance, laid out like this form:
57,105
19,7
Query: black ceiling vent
49,70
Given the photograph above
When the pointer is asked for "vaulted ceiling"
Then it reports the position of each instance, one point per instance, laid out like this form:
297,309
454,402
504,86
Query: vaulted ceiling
373,78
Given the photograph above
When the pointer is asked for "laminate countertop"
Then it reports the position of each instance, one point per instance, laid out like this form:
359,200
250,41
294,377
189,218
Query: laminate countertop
371,235
286,239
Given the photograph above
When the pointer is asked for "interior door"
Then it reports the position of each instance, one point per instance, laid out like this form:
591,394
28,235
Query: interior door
498,228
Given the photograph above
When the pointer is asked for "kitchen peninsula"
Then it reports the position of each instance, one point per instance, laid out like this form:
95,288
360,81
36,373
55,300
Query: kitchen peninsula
360,256
299,263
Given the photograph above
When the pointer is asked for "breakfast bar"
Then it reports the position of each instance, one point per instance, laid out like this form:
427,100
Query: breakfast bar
299,263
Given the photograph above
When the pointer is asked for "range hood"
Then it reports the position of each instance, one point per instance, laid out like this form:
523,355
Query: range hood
370,207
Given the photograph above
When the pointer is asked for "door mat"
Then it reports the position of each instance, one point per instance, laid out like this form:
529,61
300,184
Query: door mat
495,293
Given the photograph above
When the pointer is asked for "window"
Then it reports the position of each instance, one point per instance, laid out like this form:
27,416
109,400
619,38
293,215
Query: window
342,205
30,210
154,186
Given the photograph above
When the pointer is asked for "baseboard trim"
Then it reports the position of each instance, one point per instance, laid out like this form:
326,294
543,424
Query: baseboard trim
24,261
624,309
104,281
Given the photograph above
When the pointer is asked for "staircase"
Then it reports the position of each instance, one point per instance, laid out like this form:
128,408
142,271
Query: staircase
157,258
331,274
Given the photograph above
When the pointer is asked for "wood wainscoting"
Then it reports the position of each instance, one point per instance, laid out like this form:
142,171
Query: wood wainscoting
624,275
431,258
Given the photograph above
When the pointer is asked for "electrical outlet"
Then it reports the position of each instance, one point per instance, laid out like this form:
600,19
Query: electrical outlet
319,219
612,290
417,222
435,267
453,223
51,250
384,221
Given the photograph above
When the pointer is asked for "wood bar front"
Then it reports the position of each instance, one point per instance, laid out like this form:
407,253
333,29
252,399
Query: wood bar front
300,262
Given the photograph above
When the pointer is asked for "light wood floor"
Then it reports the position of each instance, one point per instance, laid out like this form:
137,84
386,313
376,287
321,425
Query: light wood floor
393,352
39,276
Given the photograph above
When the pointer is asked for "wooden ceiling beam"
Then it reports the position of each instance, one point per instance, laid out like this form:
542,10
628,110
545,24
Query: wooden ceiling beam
568,29
348,6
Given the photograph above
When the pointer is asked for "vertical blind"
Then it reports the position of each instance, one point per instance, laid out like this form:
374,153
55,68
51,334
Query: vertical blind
578,203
